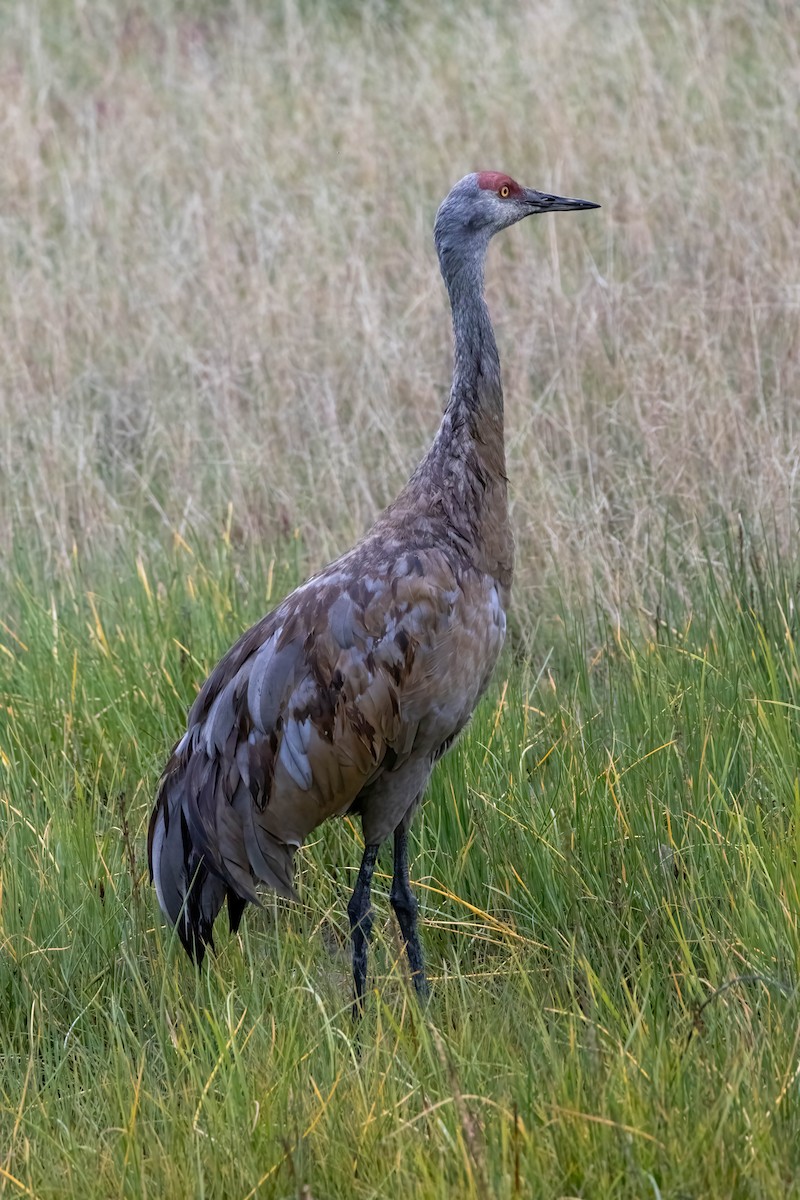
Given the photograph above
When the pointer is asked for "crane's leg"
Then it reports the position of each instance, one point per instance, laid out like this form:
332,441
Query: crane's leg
405,906
359,910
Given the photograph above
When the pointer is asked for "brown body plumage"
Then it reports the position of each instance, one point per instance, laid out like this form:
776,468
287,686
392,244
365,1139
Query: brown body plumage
343,698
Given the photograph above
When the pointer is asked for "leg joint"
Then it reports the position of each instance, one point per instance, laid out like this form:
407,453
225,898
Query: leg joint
360,914
404,902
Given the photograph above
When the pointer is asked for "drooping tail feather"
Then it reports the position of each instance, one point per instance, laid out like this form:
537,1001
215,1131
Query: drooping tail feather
205,845
190,895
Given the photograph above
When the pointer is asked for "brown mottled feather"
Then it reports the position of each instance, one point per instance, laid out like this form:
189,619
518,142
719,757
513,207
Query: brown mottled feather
357,679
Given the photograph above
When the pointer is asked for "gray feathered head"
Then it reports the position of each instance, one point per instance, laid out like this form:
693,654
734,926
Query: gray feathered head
480,205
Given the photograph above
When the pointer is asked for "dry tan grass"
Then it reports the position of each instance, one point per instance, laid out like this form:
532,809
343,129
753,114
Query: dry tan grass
219,282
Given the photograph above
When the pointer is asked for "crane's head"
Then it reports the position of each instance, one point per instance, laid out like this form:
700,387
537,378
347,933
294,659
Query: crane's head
483,203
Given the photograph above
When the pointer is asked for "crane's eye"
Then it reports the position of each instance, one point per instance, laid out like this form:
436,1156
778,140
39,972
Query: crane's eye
504,191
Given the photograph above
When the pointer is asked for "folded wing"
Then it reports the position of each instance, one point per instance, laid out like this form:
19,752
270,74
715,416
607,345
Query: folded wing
350,677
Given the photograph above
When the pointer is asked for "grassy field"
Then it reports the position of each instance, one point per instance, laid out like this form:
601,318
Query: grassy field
607,866
223,345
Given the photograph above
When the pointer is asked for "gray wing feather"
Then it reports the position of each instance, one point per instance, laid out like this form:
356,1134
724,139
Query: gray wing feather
341,621
271,861
270,674
221,719
167,859
294,752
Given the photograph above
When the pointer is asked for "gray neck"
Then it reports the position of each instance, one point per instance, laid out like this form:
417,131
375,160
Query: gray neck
463,475
477,389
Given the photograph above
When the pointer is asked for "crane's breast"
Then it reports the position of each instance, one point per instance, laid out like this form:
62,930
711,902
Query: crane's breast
453,667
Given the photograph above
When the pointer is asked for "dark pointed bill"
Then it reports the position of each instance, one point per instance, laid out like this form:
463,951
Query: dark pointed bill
542,202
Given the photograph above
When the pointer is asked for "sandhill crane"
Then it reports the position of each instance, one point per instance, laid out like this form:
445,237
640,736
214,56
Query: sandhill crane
343,698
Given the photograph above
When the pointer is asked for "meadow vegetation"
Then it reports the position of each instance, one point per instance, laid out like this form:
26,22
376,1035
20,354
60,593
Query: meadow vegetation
223,346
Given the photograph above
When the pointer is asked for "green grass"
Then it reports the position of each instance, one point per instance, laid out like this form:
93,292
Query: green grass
607,868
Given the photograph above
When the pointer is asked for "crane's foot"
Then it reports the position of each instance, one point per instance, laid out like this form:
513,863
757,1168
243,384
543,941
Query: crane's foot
359,910
405,906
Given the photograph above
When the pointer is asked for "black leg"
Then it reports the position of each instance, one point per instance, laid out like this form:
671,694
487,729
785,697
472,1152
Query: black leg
359,910
404,903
